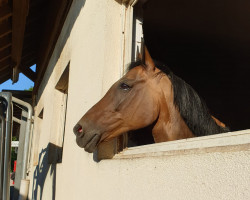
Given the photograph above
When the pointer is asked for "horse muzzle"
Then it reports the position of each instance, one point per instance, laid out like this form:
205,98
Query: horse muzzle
86,140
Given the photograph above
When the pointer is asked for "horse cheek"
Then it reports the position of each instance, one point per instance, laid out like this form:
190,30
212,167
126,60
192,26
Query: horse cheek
147,114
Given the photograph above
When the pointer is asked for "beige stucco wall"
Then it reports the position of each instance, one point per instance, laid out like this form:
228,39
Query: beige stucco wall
94,47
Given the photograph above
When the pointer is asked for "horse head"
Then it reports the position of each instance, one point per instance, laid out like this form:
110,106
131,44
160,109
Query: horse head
133,102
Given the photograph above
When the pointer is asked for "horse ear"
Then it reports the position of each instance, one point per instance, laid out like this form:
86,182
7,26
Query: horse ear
145,57
138,54
148,60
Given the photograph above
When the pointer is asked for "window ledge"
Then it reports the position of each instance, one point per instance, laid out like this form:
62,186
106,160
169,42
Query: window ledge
225,142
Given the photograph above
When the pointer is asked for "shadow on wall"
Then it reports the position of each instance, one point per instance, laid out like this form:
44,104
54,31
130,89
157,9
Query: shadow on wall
41,172
73,13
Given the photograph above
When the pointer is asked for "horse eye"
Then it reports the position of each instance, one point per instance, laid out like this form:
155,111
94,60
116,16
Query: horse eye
124,86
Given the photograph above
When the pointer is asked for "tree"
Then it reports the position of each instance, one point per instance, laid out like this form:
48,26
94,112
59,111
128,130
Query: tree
30,89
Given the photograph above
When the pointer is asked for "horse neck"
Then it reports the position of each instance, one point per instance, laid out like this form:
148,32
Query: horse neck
170,125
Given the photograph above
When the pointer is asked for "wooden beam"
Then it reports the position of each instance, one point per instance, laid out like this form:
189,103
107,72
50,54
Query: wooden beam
20,12
29,73
31,41
5,57
5,12
5,28
5,73
37,3
29,46
38,10
4,54
4,78
28,62
4,64
5,42
28,55
2,70
34,20
33,29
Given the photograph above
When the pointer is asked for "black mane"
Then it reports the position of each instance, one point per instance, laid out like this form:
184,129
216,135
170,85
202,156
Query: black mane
192,108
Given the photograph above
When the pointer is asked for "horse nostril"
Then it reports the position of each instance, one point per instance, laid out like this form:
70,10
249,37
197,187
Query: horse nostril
80,130
77,130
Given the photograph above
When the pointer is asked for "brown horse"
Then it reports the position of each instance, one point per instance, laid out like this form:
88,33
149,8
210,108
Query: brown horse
148,94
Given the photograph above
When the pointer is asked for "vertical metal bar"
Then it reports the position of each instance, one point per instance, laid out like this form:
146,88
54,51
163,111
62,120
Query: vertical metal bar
7,145
2,131
7,149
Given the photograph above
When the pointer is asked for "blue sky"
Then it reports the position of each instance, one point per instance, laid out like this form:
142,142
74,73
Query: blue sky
22,84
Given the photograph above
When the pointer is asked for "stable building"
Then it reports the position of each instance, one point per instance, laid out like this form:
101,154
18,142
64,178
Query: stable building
82,47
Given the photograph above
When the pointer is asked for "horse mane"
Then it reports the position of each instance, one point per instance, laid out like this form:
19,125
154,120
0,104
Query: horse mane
191,106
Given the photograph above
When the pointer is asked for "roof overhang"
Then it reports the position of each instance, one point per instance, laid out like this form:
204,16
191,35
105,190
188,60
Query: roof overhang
28,33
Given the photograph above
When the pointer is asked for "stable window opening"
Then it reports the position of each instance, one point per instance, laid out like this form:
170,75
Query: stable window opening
205,43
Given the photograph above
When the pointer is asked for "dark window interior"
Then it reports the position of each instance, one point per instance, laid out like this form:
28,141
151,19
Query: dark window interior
207,44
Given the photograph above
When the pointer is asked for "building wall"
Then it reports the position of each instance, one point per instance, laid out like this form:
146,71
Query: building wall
92,42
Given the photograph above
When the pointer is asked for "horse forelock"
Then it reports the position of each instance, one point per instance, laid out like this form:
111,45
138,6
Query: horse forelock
135,64
191,106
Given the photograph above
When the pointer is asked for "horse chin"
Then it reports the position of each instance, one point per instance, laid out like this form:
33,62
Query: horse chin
88,142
